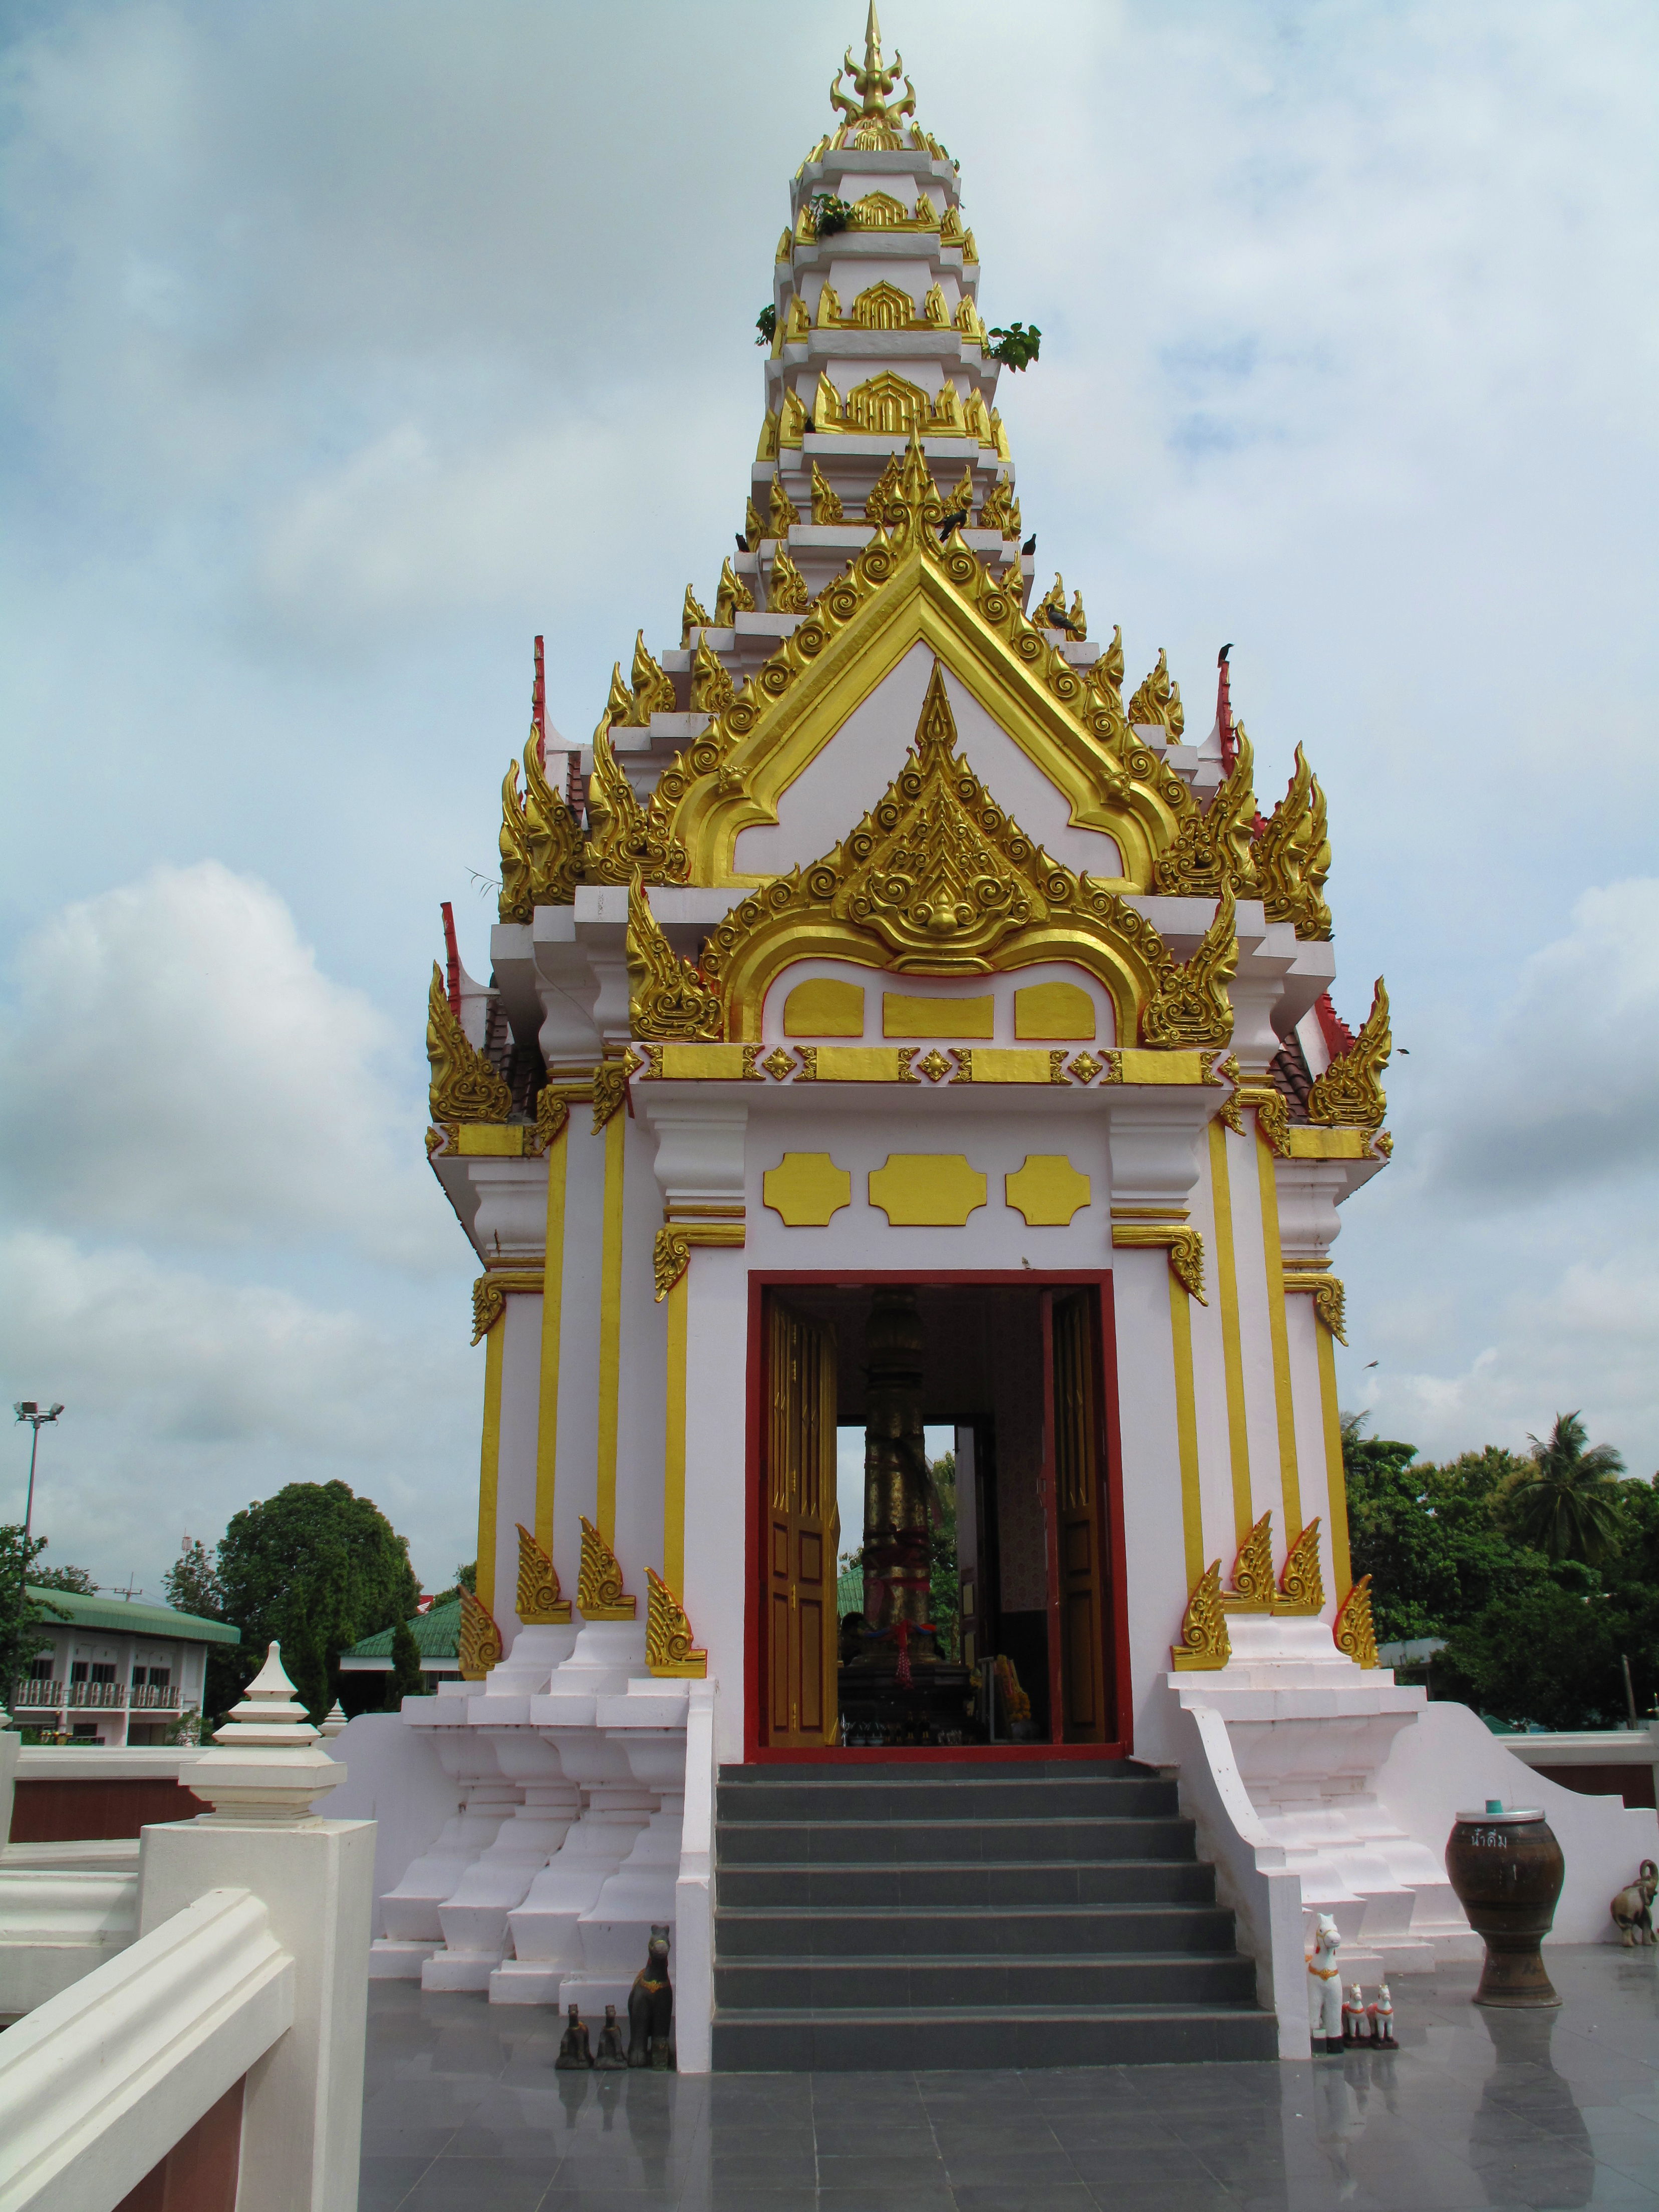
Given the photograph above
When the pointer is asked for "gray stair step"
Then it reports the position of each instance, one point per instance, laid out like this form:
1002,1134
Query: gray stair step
1041,1797
986,1982
743,1842
808,1888
783,2040
843,1931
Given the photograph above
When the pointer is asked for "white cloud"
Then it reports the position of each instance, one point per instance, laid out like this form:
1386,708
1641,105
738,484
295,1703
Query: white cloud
177,1066
187,1396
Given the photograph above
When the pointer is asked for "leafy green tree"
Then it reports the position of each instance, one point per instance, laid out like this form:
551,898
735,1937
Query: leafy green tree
1550,1658
63,1578
466,1577
20,1616
406,1678
1564,1502
1426,1536
315,1568
191,1584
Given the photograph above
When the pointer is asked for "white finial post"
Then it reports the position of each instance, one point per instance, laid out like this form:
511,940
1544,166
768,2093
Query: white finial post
268,1766
334,1720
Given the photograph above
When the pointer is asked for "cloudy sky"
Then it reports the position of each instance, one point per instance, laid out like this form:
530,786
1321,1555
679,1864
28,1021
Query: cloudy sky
348,344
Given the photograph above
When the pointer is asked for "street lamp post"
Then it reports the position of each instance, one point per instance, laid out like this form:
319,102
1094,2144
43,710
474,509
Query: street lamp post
27,1410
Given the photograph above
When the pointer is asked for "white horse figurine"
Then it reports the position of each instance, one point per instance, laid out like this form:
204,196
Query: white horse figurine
1355,2026
1325,1987
1381,2014
1633,1909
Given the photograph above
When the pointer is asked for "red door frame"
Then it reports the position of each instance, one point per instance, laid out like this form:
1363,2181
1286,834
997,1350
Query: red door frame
756,1752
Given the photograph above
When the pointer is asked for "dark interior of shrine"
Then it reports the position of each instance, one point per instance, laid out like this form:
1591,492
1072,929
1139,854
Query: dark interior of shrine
942,1606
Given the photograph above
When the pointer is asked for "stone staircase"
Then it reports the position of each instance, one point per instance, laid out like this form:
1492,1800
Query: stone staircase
1044,1914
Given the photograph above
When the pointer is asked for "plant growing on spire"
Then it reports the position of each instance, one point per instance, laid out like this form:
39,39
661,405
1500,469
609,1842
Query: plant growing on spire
828,214
1018,345
766,324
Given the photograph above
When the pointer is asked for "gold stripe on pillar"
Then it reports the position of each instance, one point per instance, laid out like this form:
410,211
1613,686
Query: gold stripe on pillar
1336,1480
547,1414
1192,1506
611,1262
489,1462
1233,1355
1284,1402
673,1471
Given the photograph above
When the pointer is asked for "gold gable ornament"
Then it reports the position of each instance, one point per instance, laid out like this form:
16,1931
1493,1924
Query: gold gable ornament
480,1641
1348,1093
826,501
540,1602
464,1087
1214,848
599,1593
732,596
754,530
691,618
625,839
611,1079
712,688
787,593
1157,702
541,841
1292,855
653,690
667,997
783,509
1205,1645
1189,1005
669,1649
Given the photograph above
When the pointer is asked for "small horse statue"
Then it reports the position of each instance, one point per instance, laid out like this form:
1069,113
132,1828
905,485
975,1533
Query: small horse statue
1356,2022
1380,2013
1633,1909
1325,1987
574,2054
651,2006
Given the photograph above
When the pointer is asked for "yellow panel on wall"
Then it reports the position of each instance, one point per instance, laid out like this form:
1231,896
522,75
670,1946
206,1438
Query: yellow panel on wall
1048,1190
824,1006
905,1016
927,1190
806,1188
1053,1010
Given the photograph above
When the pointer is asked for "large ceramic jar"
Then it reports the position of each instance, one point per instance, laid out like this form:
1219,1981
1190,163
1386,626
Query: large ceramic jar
1506,1867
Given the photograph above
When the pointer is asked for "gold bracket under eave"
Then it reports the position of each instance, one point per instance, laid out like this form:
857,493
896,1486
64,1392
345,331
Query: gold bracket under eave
599,1593
540,1602
1205,1645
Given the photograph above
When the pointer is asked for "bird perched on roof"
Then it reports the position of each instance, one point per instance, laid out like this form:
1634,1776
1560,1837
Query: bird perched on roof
953,522
1221,657
742,542
1030,546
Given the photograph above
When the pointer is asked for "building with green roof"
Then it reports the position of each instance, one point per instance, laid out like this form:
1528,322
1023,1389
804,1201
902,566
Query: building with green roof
437,1634
111,1670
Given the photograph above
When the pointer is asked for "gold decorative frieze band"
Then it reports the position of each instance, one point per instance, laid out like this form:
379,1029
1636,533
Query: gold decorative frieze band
1305,1144
1328,1297
1184,1246
539,1602
700,1063
599,1593
669,1648
1140,1064
480,1642
1205,1644
1353,1630
489,1294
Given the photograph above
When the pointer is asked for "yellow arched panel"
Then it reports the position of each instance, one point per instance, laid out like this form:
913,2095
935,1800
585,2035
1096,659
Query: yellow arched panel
1057,1010
824,1006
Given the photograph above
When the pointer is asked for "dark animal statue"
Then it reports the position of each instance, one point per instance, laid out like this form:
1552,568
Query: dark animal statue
651,2006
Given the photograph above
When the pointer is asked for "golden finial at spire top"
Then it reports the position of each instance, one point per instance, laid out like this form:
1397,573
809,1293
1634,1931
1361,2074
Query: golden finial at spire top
877,112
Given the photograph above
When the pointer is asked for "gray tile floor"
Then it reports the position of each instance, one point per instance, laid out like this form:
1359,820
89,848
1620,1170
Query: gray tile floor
462,2108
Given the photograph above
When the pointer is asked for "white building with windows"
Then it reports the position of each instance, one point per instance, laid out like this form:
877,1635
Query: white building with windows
112,1671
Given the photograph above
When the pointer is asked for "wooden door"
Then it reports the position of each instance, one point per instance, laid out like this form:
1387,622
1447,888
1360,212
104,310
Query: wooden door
802,1528
1079,1527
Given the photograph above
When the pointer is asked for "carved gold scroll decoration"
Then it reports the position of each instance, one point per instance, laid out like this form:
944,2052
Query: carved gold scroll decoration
1214,848
540,1602
611,1079
669,1646
1189,1004
1353,1630
667,997
1328,1297
1253,1585
1348,1093
1183,1246
1205,1644
480,1641
670,1255
464,1086
1292,856
1157,702
599,1593
625,839
1301,1586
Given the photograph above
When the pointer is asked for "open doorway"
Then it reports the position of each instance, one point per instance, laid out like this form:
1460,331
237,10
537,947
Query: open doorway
940,1541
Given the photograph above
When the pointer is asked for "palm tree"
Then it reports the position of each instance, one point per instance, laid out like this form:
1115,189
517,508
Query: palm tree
1566,1504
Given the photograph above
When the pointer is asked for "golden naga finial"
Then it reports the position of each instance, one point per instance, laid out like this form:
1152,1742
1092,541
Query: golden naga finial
787,593
732,596
653,690
1189,1005
464,1087
667,997
691,618
1214,848
871,126
1348,1093
712,688
1294,857
1158,701
826,500
783,509
625,839
541,841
